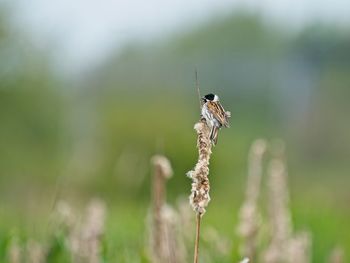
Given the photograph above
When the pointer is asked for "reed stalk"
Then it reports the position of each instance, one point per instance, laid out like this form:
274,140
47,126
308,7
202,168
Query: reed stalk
199,197
165,240
249,217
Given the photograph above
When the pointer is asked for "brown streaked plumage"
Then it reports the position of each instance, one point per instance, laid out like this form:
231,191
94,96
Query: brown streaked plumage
215,115
218,112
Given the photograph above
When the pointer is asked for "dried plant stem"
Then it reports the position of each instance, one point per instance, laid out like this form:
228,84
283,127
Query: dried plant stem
159,193
199,197
166,243
196,244
248,227
279,213
198,90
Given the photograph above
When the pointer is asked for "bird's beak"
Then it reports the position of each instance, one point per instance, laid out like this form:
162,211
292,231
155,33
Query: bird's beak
203,99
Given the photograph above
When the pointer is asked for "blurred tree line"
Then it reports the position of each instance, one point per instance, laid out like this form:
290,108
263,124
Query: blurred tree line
98,131
31,114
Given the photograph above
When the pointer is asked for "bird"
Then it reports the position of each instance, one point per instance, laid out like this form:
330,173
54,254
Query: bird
215,115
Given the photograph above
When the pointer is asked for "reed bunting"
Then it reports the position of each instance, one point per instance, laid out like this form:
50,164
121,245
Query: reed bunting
215,115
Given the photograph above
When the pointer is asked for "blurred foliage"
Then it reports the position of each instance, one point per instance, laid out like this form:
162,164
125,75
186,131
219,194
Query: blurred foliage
95,135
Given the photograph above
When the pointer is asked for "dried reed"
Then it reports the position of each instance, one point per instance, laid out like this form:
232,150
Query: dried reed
36,253
84,236
33,252
248,216
64,215
199,197
166,243
14,251
336,256
93,228
285,246
280,219
298,248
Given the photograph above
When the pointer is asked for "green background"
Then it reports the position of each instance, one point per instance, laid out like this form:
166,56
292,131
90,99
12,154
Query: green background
94,136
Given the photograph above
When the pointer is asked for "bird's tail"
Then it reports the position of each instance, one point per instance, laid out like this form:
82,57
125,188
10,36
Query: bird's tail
214,135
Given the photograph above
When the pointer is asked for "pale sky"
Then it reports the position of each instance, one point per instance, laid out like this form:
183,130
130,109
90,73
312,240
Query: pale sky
83,31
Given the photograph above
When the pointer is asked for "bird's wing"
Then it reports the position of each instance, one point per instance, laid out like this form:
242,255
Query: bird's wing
218,112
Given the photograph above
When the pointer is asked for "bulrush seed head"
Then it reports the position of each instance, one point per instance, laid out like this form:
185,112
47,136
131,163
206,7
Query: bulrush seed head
199,197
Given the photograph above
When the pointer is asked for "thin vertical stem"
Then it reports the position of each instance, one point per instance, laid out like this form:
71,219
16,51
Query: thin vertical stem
198,90
158,202
196,245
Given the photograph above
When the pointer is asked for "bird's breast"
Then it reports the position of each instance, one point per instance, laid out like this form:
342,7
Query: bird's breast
208,115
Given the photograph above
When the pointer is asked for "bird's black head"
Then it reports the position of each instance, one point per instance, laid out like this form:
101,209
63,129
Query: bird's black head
209,97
